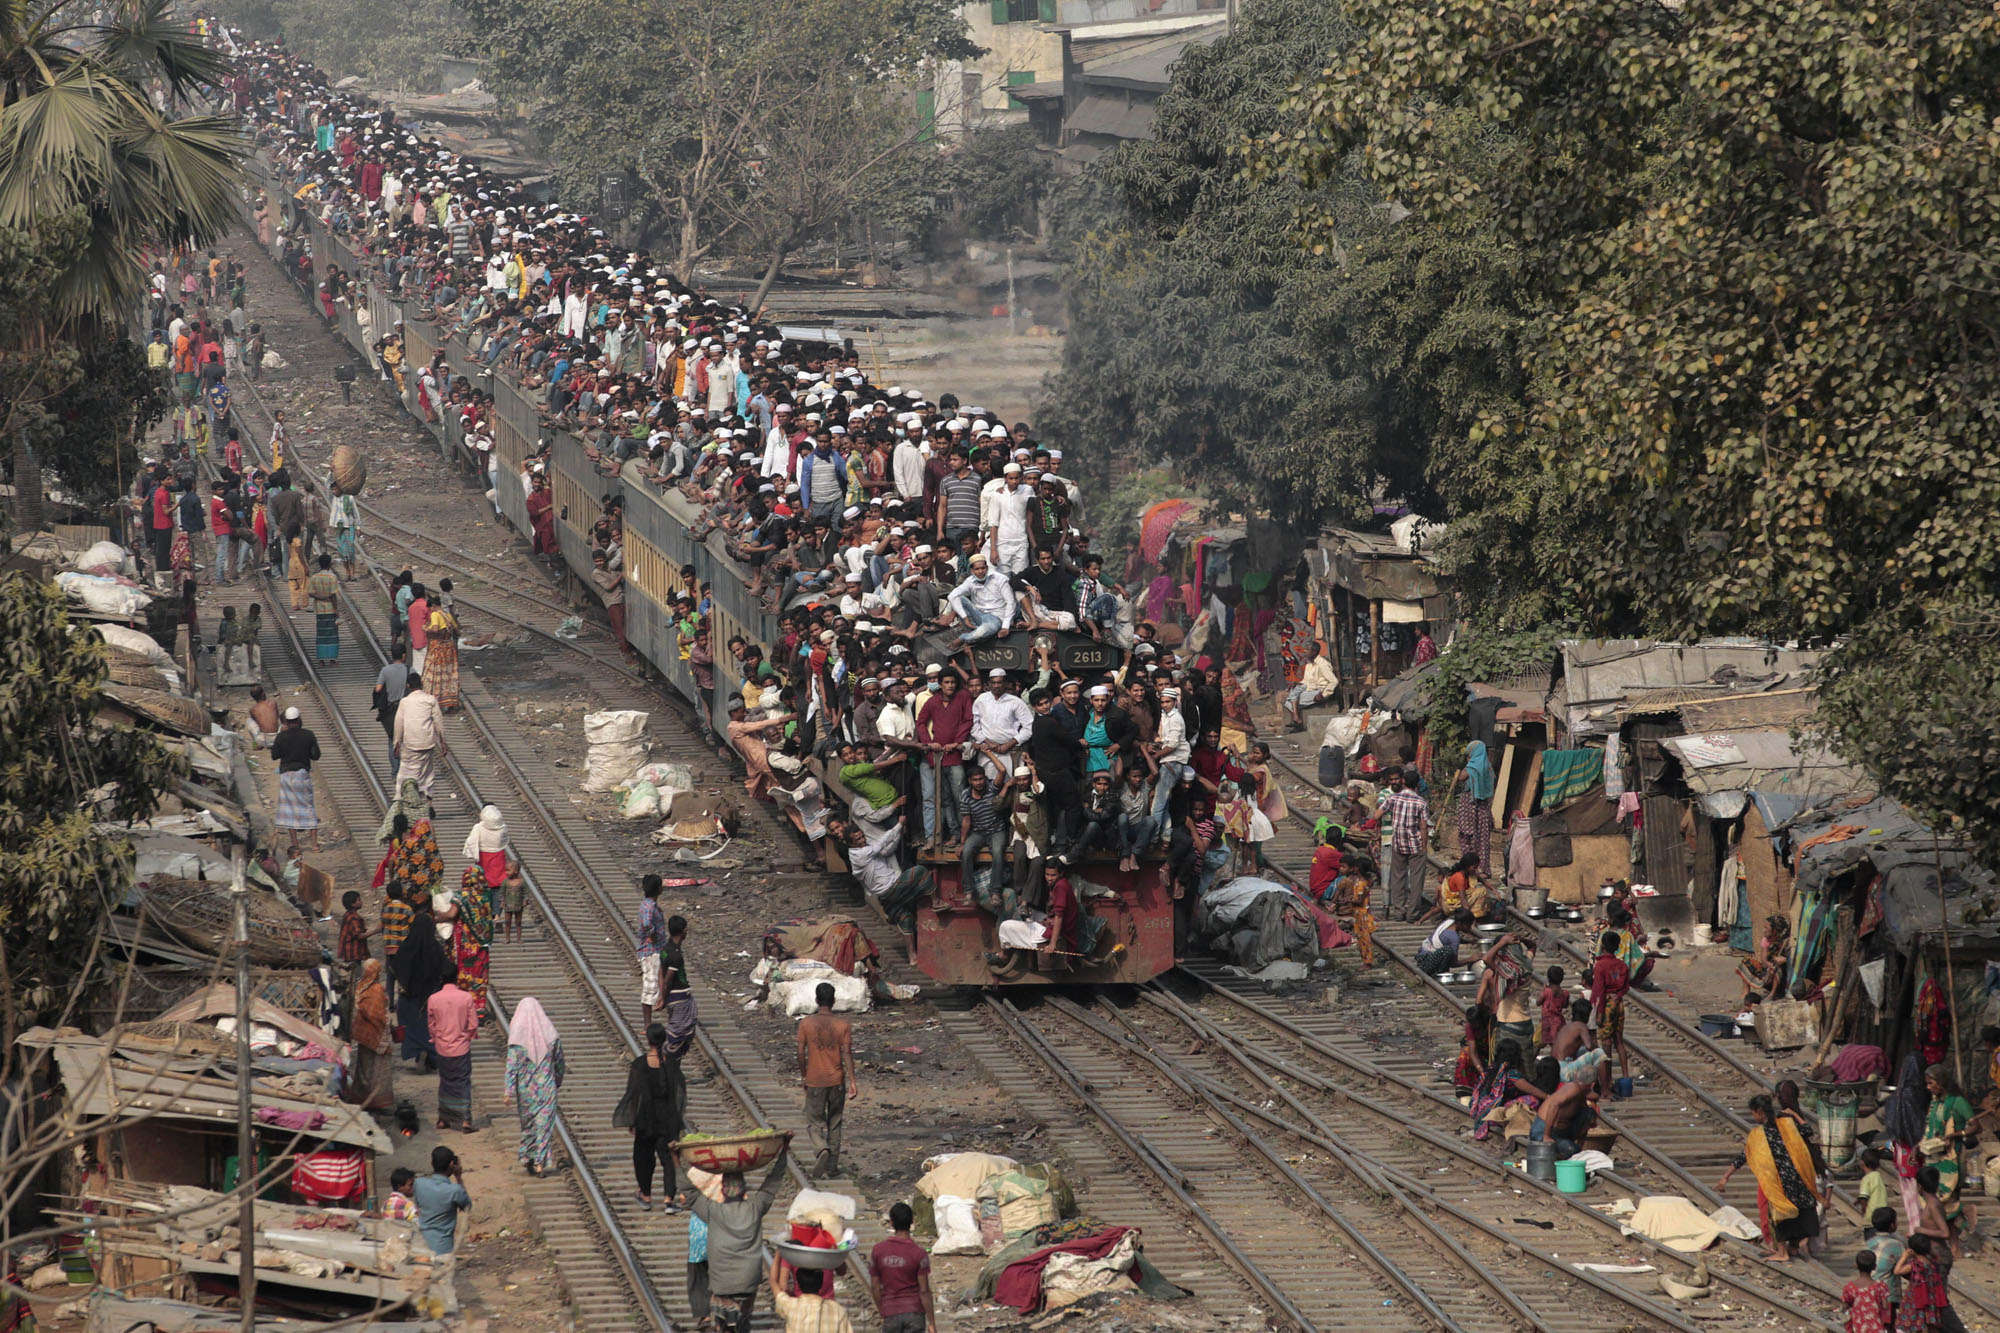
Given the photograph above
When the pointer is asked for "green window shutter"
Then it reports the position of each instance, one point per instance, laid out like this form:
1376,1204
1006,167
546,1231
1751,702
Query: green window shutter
1015,78
1048,11
999,13
926,115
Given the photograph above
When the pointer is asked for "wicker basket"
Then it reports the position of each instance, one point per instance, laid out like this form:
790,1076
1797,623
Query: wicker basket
348,471
736,1153
201,914
173,711
123,670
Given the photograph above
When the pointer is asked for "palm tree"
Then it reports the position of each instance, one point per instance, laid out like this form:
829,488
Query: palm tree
100,115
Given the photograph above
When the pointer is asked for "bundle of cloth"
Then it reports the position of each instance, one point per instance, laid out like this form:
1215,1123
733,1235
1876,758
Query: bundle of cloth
800,953
1063,1262
1255,922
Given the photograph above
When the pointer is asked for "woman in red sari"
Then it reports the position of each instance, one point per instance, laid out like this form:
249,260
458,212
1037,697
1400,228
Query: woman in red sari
542,517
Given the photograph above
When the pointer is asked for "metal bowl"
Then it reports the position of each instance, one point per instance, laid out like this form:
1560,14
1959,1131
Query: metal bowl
807,1256
1572,914
1490,930
1534,913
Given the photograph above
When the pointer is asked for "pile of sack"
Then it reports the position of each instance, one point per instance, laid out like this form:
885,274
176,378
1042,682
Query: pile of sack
977,1203
617,739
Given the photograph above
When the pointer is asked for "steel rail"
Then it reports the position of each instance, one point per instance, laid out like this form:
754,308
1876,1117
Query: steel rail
1237,1048
1169,1176
600,1204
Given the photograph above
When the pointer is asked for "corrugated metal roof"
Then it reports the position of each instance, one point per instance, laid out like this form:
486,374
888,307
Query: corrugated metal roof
1111,116
1601,676
1762,760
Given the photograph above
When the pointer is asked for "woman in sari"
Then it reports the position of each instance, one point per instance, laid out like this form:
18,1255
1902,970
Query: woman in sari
1945,1129
534,1074
296,575
1475,816
372,1084
1933,1023
419,968
1777,1156
1503,1084
1904,1117
1235,708
1474,1042
472,935
441,655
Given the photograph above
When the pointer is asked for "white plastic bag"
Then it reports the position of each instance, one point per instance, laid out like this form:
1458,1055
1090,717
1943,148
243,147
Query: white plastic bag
642,801
666,776
608,766
799,998
615,726
134,644
957,1226
103,555
107,597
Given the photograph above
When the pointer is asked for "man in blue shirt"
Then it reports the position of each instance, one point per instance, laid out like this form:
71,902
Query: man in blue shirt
440,1198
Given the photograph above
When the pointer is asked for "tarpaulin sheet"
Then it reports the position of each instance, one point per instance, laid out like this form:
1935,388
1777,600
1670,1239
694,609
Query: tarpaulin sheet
1907,855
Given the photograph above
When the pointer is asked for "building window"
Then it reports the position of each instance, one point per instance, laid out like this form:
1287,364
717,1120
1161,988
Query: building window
1023,11
1015,78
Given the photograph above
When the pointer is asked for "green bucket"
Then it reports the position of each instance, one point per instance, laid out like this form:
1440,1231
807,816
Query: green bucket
1571,1177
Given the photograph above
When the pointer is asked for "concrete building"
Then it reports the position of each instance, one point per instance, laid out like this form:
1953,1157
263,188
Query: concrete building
1044,58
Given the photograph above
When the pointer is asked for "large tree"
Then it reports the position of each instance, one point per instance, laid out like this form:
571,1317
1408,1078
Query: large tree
60,772
691,100
1761,257
1303,381
98,120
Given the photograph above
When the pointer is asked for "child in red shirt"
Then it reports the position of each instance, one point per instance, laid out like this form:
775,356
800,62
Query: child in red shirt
1555,1003
1609,980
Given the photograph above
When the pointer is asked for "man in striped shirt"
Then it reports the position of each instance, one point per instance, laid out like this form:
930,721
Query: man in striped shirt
958,501
395,925
1408,817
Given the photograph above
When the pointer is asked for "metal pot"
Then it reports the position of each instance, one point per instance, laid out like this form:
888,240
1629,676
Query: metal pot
1605,891
1492,930
1572,914
1534,913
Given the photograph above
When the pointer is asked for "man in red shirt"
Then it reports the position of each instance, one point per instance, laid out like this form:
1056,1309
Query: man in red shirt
162,526
899,1275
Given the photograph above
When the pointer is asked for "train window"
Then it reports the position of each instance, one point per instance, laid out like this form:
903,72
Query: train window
576,506
648,569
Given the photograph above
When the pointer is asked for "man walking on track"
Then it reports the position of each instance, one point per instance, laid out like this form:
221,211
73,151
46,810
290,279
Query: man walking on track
296,749
419,736
826,1062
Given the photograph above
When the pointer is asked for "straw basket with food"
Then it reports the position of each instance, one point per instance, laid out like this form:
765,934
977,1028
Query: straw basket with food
725,1153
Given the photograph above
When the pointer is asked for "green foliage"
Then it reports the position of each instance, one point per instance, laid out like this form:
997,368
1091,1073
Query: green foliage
58,876
999,176
77,407
80,128
1303,382
1915,698
692,100
1759,257
388,43
1479,655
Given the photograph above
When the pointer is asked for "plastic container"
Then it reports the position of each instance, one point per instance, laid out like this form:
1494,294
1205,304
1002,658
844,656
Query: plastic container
1571,1177
1621,1087
1540,1161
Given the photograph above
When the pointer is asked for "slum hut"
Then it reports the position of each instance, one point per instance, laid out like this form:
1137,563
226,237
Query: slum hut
156,1102
1878,897
1741,785
1611,704
1375,592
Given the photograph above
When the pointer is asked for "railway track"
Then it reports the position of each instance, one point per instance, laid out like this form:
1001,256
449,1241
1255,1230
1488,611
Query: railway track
1313,1212
624,1268
1685,1124
1689,1133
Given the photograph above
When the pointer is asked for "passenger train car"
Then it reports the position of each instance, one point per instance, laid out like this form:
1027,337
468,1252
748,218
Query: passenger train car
956,942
